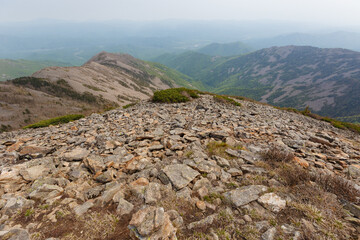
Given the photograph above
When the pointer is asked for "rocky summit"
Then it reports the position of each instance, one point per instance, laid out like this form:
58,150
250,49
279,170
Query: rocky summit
204,169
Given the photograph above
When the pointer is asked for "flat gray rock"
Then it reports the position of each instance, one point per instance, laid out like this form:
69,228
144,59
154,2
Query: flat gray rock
124,207
272,202
76,154
81,209
180,175
244,195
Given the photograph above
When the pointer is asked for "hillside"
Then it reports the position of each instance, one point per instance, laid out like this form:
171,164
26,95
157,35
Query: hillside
10,69
190,63
326,80
225,49
198,170
340,39
106,80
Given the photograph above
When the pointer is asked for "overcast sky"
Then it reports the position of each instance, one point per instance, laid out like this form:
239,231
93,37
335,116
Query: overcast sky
333,12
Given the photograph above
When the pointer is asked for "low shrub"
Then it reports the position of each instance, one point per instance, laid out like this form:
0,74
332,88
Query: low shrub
5,128
276,155
55,121
225,99
339,186
293,175
174,95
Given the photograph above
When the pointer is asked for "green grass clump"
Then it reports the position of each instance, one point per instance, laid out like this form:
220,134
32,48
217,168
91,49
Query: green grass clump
55,121
226,99
129,105
219,149
175,95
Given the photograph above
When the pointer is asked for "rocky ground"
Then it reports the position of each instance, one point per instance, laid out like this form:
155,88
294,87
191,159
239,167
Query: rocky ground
198,170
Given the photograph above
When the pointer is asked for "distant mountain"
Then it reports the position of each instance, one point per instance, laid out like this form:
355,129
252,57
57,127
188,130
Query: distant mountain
225,49
190,63
326,80
341,39
106,80
10,69
76,42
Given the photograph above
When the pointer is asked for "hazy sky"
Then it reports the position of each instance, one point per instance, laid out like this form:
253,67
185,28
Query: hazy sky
334,12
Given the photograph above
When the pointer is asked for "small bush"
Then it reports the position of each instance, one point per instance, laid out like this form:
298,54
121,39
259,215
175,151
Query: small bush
174,95
293,175
5,128
224,99
55,121
339,186
276,155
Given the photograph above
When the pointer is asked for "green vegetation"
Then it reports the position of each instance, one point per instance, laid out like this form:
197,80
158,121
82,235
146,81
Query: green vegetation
353,119
226,49
175,95
93,88
55,121
10,69
59,89
336,123
129,105
190,63
225,99
170,76
219,149
5,128
255,74
29,212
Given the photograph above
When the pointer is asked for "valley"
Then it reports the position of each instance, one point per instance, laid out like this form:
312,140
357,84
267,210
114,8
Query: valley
326,80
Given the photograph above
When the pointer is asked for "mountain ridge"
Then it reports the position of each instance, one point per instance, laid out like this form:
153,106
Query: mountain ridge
326,80
106,80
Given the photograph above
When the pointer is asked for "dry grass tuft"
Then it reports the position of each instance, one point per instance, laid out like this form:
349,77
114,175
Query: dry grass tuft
339,186
276,155
293,175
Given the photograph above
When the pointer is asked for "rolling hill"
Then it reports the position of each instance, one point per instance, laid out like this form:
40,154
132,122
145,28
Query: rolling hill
106,80
190,63
326,80
225,49
10,69
339,39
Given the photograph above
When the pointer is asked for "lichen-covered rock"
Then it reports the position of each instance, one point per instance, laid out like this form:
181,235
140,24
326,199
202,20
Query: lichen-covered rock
152,223
46,191
152,193
244,195
81,209
272,202
180,175
124,207
77,154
